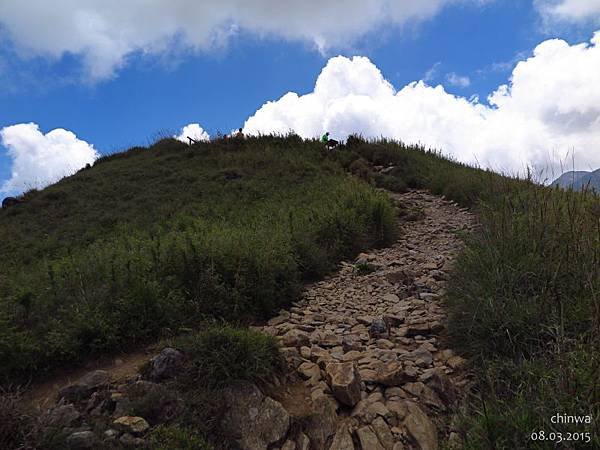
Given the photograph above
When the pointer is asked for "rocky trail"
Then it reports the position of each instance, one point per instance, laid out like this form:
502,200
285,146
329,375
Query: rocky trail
369,368
368,343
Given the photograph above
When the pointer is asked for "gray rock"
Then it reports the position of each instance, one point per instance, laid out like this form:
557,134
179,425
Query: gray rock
252,420
111,434
344,381
391,374
296,338
322,423
368,439
85,386
166,364
378,328
81,440
384,435
62,416
342,439
131,441
309,370
437,380
421,357
421,428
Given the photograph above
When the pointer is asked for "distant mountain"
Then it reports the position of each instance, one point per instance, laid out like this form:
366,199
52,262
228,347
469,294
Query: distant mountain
578,180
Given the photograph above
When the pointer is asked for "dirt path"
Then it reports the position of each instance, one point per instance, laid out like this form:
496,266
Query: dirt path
408,381
43,394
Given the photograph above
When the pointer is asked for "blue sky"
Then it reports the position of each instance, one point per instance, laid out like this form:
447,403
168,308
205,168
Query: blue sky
220,87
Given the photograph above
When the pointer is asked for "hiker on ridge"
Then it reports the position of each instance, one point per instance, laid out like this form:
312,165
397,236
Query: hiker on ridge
329,143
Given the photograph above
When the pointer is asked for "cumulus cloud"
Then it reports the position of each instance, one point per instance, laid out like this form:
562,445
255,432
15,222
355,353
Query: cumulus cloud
41,159
105,32
458,80
549,107
193,130
570,10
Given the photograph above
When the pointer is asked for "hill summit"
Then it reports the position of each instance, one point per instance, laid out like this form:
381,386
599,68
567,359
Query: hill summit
578,180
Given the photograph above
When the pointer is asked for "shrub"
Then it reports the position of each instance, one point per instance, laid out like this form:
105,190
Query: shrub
221,354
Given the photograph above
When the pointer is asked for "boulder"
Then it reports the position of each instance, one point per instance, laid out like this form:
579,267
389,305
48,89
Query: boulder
252,420
368,439
81,440
384,435
420,428
391,374
62,416
309,370
398,408
296,338
437,380
342,439
393,320
165,365
162,403
378,328
392,298
111,434
283,317
321,423
418,329
344,381
350,343
85,386
129,440
421,357
131,424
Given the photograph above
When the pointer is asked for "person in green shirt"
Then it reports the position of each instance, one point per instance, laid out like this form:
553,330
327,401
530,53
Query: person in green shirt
325,138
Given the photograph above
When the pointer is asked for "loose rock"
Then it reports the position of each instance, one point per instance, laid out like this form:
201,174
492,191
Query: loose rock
344,381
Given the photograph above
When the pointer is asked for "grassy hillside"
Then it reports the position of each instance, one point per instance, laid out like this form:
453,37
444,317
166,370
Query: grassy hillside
156,239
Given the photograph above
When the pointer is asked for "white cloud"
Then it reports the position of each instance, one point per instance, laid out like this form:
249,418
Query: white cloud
40,159
193,130
105,32
570,10
549,107
458,80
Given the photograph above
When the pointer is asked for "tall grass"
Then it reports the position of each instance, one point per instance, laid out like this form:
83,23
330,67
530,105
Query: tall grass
154,240
525,304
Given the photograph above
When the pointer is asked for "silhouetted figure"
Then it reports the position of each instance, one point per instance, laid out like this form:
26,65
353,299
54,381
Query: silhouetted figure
10,201
239,134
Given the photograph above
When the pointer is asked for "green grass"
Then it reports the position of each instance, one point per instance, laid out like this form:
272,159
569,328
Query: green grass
153,240
524,305
219,355
172,437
